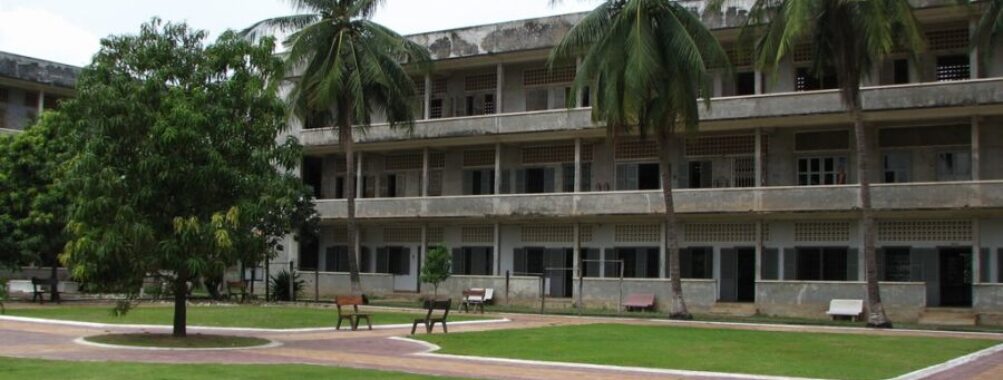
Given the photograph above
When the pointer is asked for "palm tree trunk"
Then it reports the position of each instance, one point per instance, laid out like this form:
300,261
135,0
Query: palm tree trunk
876,316
54,281
347,145
181,305
677,305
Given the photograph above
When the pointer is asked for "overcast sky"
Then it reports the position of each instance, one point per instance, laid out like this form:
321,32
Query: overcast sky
69,31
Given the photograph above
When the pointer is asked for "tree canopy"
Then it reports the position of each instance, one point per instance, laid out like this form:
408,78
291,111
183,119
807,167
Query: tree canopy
183,167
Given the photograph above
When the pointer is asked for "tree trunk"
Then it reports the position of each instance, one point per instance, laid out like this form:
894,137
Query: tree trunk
54,281
347,145
181,306
677,306
876,316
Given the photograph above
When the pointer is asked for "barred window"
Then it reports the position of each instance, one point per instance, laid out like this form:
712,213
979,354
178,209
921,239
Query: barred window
477,234
822,231
925,230
480,82
483,157
544,76
548,234
637,149
948,39
409,161
636,233
719,232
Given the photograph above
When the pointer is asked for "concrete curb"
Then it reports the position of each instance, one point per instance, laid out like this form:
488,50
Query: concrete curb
83,341
950,364
230,329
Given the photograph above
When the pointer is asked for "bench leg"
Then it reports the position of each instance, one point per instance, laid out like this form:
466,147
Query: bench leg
355,322
445,330
368,323
338,327
414,326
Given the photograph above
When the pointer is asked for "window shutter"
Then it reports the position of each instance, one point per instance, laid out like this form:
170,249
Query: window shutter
488,181
405,262
621,176
999,265
852,264
790,264
382,261
929,261
984,272
882,276
610,269
591,268
729,275
770,262
519,264
520,181
917,269
586,179
506,182
329,259
683,176
364,260
685,263
549,175
458,261
468,182
385,186
632,174
489,261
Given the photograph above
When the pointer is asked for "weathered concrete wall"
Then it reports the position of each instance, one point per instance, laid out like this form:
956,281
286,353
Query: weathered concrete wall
988,297
27,273
700,295
539,33
903,301
519,287
332,284
38,71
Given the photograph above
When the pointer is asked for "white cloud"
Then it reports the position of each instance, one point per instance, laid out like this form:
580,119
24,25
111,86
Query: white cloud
41,33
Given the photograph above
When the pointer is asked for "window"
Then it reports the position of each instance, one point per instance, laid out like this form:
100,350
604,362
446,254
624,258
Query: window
336,259
529,261
897,266
313,174
813,171
641,262
478,182
696,262
745,83
480,104
897,167
435,109
821,264
587,97
807,80
339,188
900,68
434,183
4,95
823,140
954,166
535,180
309,255
393,260
701,175
473,261
953,67
638,176
568,175
544,98
393,186
30,99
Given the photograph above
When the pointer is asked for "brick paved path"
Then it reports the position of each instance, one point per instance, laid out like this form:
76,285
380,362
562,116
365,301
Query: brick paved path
373,350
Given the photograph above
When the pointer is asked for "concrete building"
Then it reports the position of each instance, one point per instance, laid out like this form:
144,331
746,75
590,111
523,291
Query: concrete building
29,86
521,188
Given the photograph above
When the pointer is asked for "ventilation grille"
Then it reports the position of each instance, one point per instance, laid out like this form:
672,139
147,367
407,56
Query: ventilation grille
435,235
419,86
548,234
440,86
925,230
402,234
802,53
481,82
627,150
723,145
437,159
719,232
585,233
484,157
739,58
410,161
535,77
947,39
822,231
636,233
477,234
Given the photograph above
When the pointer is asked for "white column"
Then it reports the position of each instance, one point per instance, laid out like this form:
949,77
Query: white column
759,250
759,82
498,168
41,102
424,173
718,86
428,97
977,253
973,56
575,266
497,249
759,158
422,251
976,149
499,93
662,262
578,165
579,96
358,177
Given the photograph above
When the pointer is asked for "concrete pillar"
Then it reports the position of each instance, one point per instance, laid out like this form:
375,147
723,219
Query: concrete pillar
578,166
759,81
976,149
973,56
579,96
662,254
422,252
575,266
718,86
358,247
428,97
499,93
759,158
424,173
498,168
759,250
497,249
41,102
977,253
358,177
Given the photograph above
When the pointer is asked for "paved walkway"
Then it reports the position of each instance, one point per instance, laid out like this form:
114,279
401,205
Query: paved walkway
375,350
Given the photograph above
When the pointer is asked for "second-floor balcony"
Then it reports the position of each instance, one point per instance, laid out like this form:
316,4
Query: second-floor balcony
966,195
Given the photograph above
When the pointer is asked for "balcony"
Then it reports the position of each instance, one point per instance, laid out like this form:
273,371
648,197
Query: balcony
885,197
791,108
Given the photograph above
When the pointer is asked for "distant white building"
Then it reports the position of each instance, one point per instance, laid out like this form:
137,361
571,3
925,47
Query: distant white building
28,86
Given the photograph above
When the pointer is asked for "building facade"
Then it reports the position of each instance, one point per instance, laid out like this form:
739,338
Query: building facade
29,86
528,193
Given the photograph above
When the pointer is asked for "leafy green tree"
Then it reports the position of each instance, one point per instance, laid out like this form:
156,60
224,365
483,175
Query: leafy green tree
850,38
990,27
33,203
647,62
436,268
183,167
348,69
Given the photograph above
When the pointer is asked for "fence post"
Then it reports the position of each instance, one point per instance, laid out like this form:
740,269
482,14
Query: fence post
292,290
508,275
268,276
543,294
581,280
619,307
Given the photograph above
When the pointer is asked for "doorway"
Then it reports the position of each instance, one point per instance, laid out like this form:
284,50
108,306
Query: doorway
956,277
738,275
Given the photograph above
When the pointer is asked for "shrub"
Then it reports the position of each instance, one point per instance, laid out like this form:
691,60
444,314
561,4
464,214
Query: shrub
280,286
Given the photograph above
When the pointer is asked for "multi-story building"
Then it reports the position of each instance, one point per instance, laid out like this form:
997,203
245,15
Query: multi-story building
520,188
29,86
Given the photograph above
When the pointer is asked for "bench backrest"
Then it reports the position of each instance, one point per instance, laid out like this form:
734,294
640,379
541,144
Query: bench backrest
474,294
353,301
235,286
640,300
39,283
847,306
432,306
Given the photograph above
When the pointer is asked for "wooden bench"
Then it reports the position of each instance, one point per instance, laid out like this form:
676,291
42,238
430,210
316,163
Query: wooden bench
237,290
474,298
40,287
639,301
430,320
846,308
353,315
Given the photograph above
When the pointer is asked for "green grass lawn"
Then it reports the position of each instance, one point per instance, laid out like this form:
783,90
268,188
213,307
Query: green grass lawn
45,370
169,341
842,356
273,317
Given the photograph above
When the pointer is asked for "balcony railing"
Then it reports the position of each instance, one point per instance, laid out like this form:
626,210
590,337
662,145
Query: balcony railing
885,197
777,105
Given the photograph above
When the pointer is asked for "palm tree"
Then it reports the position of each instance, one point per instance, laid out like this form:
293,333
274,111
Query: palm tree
851,37
347,68
990,28
647,61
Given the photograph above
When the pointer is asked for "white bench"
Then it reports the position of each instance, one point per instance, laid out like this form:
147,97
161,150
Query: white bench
489,295
846,308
